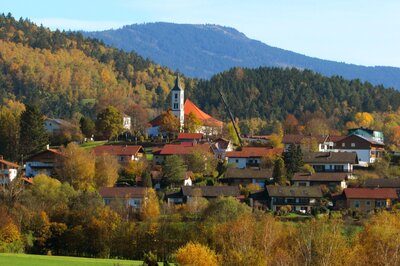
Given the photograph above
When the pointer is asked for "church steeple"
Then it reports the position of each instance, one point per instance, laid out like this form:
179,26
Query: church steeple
177,86
177,101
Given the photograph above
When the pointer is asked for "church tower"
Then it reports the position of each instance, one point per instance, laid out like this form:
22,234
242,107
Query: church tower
177,102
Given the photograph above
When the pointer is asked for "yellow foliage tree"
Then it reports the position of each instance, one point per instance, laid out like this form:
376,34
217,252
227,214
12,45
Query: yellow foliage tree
150,210
363,119
195,254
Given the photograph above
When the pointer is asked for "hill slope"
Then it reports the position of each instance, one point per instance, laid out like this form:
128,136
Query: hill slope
204,50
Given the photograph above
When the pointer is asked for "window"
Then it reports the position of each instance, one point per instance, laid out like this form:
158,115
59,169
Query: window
353,144
176,106
339,168
356,204
368,203
176,95
343,144
237,161
302,184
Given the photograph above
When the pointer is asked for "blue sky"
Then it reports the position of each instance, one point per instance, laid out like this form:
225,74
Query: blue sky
363,32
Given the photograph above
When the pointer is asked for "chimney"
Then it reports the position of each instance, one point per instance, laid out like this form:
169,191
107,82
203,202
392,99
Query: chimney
47,146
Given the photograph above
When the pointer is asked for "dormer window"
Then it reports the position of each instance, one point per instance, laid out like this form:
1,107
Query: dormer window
176,95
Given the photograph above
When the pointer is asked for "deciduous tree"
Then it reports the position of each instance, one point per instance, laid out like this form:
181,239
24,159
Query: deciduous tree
197,255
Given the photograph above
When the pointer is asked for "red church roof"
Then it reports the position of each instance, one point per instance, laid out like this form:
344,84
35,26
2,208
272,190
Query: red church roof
207,120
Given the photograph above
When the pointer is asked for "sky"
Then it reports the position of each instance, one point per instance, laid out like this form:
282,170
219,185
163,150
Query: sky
363,32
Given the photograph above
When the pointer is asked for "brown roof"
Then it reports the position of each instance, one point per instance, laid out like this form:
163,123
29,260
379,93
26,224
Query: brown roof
330,157
248,173
382,183
247,152
332,177
191,136
212,191
183,148
298,192
10,164
118,149
122,192
370,193
53,152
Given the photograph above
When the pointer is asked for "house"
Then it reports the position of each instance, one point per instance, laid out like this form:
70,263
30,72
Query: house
331,161
368,149
183,149
220,147
56,125
123,153
367,133
300,199
190,137
126,122
383,183
130,196
43,162
245,176
181,108
365,199
8,171
251,156
329,179
187,193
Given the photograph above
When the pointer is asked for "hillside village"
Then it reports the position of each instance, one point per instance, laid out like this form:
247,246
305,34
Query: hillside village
296,178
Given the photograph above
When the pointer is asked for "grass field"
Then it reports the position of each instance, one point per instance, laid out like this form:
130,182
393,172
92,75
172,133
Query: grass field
38,260
92,144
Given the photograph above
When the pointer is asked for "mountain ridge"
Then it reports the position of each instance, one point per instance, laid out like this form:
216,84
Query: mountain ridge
202,50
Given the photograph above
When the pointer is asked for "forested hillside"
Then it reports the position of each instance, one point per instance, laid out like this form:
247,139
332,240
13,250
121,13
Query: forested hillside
272,93
65,73
204,50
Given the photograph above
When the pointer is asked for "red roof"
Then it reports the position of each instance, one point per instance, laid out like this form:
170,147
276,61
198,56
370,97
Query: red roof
247,152
118,149
190,136
185,148
10,164
207,120
370,193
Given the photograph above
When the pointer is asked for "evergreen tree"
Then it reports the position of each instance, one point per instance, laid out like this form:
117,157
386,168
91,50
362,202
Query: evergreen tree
33,136
88,127
147,182
293,160
278,173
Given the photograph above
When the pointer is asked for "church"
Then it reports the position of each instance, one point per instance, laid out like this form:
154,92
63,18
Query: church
181,109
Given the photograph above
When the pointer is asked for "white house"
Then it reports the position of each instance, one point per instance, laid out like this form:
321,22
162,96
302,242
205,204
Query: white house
56,125
250,156
133,197
8,171
331,161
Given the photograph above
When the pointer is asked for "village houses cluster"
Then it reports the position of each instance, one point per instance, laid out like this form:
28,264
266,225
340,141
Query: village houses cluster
332,166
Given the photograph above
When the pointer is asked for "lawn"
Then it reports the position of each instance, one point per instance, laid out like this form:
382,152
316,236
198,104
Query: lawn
38,260
92,144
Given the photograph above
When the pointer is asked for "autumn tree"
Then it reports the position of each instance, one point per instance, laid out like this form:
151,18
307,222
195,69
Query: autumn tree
150,209
109,122
317,126
192,123
230,133
201,161
290,124
33,136
169,123
77,167
363,119
139,118
196,254
106,170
